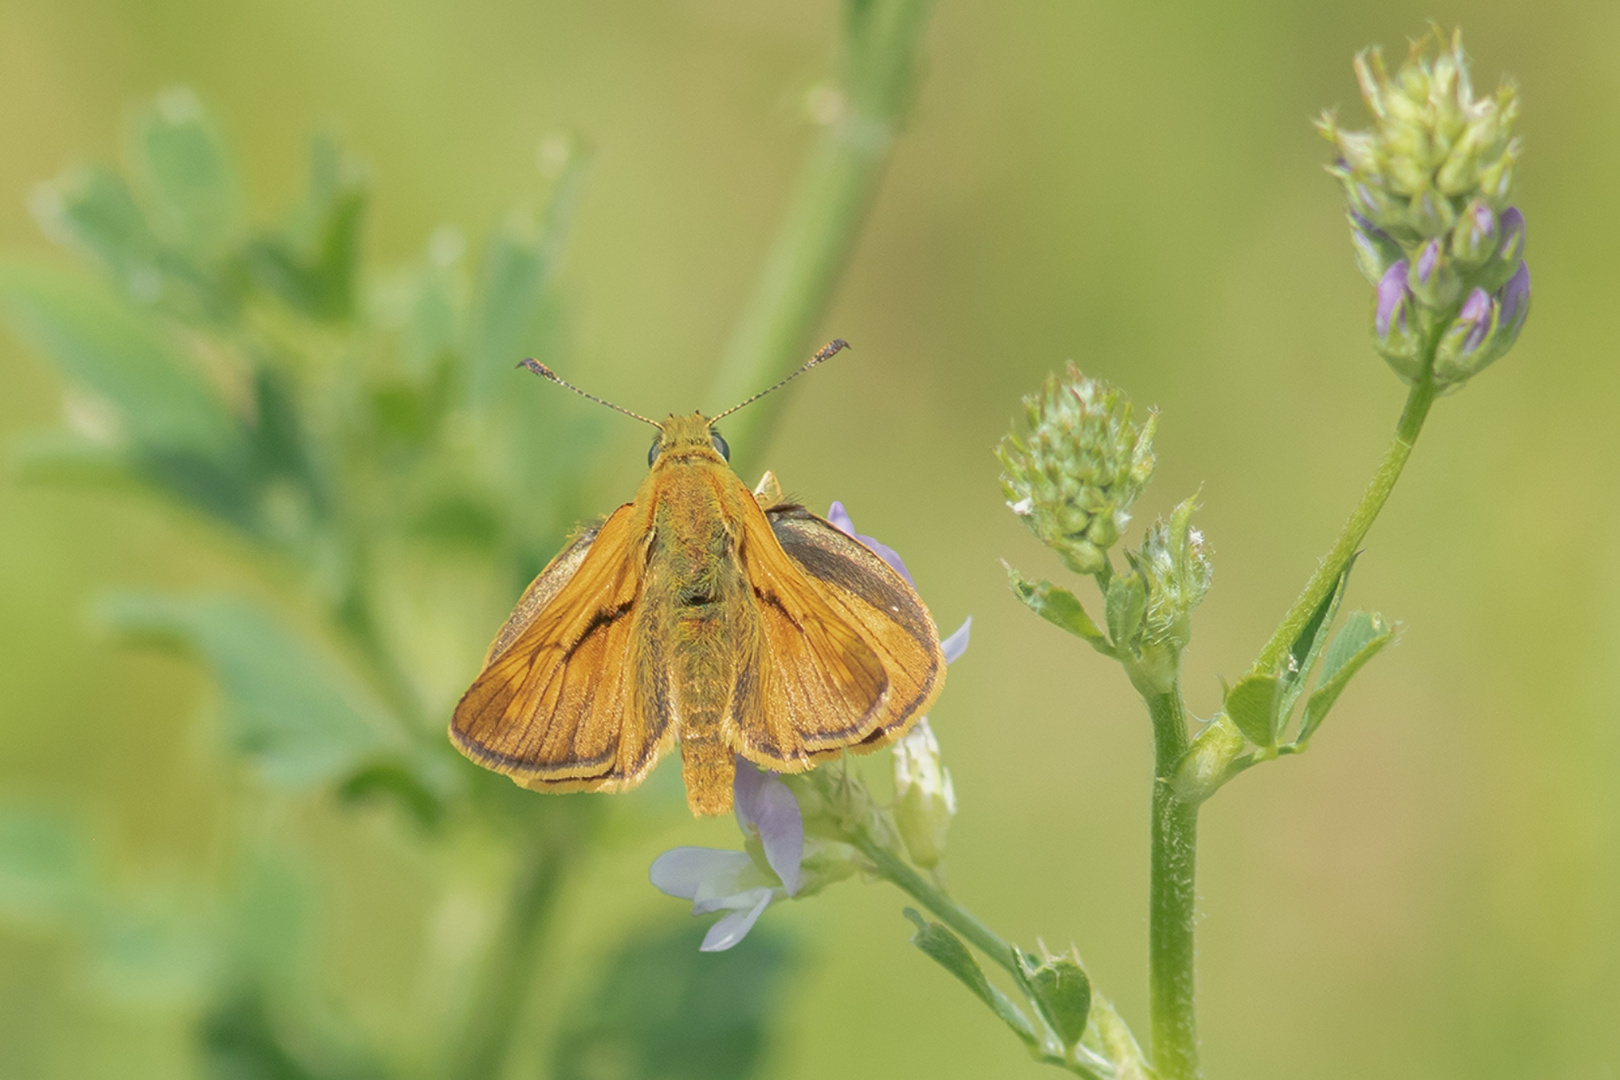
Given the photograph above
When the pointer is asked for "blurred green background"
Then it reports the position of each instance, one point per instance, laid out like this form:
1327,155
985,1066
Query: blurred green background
1432,891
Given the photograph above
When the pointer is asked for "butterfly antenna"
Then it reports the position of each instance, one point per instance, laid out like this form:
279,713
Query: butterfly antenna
826,352
546,373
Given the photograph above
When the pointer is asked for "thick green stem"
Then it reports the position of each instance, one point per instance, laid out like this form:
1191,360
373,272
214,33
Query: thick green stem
486,1037
935,899
1355,530
1172,913
824,219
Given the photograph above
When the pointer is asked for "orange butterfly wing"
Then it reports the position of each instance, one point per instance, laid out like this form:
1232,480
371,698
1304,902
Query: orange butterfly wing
572,696
845,655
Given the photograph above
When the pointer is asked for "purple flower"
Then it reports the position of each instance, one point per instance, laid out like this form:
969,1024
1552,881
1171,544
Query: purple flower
1475,238
838,517
716,879
1476,315
1515,298
1428,259
1392,295
1512,249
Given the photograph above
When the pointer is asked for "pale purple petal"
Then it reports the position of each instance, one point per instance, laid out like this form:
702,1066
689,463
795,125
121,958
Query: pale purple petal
766,805
839,518
1477,310
1483,224
694,872
1516,295
735,926
1391,296
957,643
1428,259
1512,233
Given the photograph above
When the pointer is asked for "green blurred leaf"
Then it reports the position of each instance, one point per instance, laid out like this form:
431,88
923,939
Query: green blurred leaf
665,1011
947,950
122,356
1252,705
242,1039
1124,607
92,211
1364,634
188,173
291,709
400,784
46,874
1061,990
313,263
1060,607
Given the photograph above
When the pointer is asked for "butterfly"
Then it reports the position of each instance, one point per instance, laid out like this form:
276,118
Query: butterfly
733,623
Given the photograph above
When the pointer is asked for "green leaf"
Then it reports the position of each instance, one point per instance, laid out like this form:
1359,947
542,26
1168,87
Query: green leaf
1308,645
663,1009
291,709
91,208
313,264
1058,606
947,950
1060,989
243,1038
1364,634
188,172
45,866
121,355
1252,705
399,783
1125,606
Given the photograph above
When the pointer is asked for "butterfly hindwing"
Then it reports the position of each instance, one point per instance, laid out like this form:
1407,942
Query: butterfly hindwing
845,654
571,696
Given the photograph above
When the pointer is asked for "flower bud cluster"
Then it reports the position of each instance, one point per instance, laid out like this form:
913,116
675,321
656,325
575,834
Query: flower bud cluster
1175,562
1073,477
1429,188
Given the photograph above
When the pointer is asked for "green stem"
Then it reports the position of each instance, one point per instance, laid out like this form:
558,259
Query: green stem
881,40
935,899
1081,1062
480,1051
1172,912
1355,530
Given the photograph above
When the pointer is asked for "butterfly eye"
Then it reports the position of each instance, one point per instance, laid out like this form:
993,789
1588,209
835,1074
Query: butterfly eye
652,453
720,445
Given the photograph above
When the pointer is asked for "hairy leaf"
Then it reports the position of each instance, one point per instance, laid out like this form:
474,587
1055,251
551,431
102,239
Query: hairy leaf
1364,634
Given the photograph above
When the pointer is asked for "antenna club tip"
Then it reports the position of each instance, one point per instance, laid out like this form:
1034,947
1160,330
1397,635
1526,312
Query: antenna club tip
539,369
829,350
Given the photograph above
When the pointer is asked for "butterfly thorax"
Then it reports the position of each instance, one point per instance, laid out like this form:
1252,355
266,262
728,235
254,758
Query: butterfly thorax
693,562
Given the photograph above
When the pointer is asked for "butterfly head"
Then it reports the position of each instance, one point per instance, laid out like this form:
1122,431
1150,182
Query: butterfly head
687,437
